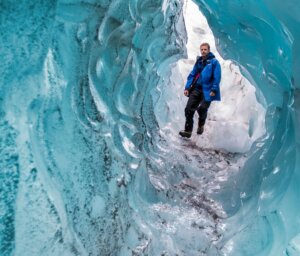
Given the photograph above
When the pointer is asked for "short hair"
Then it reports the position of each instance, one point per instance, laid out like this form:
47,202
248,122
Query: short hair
205,44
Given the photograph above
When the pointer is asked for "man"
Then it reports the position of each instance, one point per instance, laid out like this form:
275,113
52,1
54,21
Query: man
202,87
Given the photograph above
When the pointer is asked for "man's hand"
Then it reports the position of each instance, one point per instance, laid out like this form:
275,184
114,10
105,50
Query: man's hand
186,93
212,94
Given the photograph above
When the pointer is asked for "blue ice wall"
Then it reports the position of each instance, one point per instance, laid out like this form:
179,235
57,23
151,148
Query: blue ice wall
84,170
263,37
77,122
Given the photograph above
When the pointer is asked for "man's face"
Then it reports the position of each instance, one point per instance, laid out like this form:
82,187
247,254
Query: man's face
204,50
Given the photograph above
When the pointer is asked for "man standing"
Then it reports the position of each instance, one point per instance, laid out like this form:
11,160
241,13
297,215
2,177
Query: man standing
202,87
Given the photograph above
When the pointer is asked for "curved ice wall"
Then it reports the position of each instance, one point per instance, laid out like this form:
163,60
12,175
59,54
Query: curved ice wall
78,132
263,37
84,170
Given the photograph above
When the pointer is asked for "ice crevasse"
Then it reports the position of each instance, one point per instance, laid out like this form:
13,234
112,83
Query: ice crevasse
90,162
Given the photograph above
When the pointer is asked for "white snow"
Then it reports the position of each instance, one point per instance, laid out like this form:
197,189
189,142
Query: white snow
234,123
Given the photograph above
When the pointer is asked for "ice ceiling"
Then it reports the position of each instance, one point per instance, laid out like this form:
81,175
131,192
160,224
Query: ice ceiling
87,167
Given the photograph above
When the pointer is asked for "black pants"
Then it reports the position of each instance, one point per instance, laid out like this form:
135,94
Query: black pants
196,102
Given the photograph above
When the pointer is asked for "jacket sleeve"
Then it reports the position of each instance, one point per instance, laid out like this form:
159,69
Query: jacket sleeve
216,77
191,77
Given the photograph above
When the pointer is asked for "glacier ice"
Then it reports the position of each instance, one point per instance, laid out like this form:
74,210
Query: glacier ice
90,164
262,37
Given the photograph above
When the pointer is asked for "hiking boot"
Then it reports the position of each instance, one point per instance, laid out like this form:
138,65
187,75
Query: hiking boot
185,134
200,129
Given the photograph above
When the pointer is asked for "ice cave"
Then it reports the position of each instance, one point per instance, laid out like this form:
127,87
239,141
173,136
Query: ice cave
91,102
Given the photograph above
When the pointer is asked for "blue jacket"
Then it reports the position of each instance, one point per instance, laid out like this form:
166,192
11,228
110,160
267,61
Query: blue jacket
209,79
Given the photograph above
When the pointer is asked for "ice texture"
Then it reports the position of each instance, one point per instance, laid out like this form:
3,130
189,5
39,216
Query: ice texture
263,37
90,164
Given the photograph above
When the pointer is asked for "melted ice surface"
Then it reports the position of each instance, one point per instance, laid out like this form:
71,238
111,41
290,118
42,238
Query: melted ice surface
91,163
